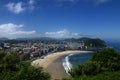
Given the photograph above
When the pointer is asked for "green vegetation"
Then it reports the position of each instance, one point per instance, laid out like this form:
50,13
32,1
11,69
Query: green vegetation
108,59
104,65
95,43
101,76
11,68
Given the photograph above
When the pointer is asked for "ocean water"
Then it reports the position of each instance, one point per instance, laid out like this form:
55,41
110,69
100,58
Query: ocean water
79,58
115,45
74,60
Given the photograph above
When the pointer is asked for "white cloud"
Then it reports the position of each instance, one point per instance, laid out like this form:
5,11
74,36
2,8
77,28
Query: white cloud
62,34
15,7
31,1
31,4
20,6
11,30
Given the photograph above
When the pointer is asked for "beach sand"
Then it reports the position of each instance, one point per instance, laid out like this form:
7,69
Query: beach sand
52,63
56,69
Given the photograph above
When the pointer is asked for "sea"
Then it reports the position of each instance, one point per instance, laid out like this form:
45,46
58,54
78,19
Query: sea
73,60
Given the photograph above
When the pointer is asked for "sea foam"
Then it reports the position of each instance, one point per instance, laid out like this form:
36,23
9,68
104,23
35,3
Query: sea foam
66,64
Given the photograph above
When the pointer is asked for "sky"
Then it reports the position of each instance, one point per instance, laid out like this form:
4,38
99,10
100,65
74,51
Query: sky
60,18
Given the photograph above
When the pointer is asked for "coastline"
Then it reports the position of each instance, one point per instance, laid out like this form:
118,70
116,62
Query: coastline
57,70
52,63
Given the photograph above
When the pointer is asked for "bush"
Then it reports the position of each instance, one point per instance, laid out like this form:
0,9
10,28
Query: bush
108,59
102,61
91,68
13,69
76,71
100,76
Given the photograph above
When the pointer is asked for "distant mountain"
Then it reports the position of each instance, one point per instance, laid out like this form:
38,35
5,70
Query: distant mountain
37,38
48,38
78,39
4,39
95,42
84,38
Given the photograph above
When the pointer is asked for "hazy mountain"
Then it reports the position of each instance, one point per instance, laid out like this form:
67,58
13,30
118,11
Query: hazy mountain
37,38
3,38
48,38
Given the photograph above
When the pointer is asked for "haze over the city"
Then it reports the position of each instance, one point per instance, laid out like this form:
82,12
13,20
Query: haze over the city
60,18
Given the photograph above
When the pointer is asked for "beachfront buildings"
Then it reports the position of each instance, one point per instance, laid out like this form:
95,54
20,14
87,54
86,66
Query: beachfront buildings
33,49
30,49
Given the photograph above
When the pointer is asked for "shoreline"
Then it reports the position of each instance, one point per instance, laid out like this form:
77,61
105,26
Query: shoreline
66,63
52,63
56,69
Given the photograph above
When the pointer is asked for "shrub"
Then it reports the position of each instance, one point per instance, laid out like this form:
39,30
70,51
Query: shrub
105,60
12,69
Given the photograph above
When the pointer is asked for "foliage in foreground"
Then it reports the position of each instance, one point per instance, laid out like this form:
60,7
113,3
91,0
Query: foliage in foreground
11,68
100,76
103,62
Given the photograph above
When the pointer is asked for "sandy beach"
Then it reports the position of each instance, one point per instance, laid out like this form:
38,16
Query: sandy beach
52,63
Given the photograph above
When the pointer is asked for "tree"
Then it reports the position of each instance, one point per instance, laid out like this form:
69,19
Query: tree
108,59
101,61
11,68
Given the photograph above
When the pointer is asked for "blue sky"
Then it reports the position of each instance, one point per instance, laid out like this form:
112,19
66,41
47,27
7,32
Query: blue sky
60,18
